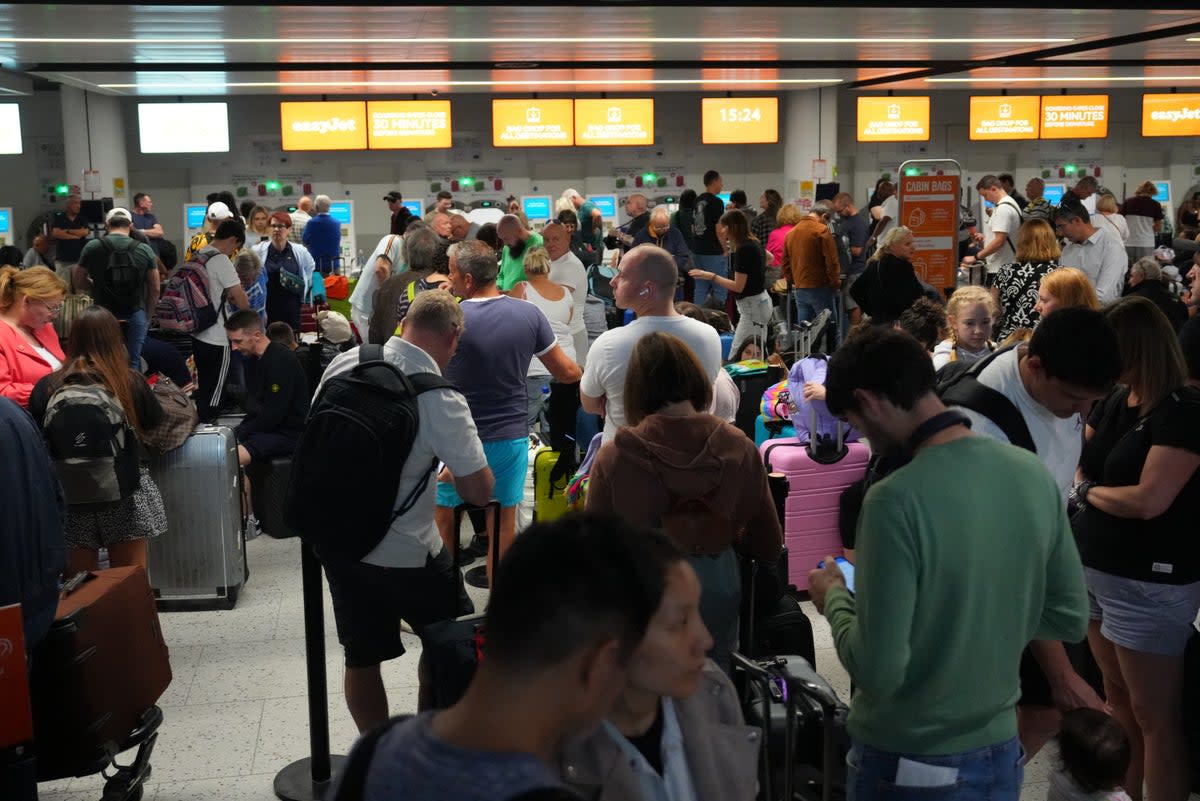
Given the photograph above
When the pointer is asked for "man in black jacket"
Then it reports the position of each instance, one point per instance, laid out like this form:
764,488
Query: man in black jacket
277,394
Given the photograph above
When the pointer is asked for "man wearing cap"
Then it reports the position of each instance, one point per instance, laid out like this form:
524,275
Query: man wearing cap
69,231
300,218
217,213
289,269
122,274
400,215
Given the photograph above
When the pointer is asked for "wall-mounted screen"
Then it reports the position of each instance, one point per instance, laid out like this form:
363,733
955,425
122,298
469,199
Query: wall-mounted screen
613,122
537,208
1074,116
333,125
195,214
607,205
406,124
5,222
183,127
725,197
1005,118
1162,191
533,123
10,129
1171,115
893,119
1054,193
340,211
739,120
414,208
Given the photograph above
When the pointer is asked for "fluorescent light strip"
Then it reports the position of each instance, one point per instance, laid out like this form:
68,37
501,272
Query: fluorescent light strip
528,40
436,83
1067,79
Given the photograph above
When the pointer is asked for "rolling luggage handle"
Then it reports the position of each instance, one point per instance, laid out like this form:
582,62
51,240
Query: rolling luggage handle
818,451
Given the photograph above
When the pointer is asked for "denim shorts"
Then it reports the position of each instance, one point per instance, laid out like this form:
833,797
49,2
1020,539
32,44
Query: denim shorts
992,773
509,460
1143,616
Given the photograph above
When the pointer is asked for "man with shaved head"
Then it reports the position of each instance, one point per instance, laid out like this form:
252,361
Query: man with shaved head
567,270
517,240
645,282
300,218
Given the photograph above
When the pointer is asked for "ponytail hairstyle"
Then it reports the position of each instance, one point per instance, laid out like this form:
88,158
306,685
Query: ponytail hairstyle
963,297
96,351
39,283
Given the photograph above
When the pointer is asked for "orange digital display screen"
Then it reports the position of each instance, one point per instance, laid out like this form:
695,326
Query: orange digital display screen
1074,116
335,125
613,122
533,123
997,118
739,120
404,124
1171,115
893,119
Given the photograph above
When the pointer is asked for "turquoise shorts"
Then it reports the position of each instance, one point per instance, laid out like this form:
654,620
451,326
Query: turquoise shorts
509,460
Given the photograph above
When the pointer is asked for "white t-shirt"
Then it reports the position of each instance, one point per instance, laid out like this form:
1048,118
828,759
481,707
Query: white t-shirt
891,209
726,398
608,360
50,358
362,299
1005,219
569,271
446,432
221,276
1059,442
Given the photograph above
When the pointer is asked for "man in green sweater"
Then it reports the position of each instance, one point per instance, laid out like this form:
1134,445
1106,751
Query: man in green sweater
965,555
518,240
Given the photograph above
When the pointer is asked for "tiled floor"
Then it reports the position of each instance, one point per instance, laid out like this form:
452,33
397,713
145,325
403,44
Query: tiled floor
237,712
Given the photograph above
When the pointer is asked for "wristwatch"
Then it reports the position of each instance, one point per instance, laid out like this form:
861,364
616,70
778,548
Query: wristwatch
1082,489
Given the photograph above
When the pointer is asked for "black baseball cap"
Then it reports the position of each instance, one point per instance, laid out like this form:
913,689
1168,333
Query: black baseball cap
393,196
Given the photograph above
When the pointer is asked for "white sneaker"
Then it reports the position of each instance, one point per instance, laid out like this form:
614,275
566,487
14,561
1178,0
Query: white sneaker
253,529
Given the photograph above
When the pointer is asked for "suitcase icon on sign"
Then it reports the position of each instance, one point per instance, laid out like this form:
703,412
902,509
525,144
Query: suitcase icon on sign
533,114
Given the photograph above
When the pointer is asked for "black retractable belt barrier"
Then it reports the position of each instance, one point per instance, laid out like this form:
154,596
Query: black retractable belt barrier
307,779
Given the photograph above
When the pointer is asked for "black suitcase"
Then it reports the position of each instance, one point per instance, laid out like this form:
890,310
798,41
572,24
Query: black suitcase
453,648
803,723
268,490
750,392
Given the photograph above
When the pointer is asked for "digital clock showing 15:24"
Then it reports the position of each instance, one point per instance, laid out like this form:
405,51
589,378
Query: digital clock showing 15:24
743,114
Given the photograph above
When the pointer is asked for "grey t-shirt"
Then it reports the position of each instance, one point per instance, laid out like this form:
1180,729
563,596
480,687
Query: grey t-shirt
410,763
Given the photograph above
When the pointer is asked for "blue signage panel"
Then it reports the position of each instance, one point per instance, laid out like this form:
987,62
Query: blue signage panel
536,208
414,208
195,215
5,221
607,205
1163,193
340,211
1054,193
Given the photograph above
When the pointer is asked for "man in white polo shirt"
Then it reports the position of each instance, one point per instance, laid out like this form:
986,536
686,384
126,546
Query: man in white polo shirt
645,282
1000,229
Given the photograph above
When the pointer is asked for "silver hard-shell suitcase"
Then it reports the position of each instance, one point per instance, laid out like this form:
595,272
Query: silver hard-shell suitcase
200,562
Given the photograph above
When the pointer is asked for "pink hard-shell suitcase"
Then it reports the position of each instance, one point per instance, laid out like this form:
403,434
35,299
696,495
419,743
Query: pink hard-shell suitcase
818,474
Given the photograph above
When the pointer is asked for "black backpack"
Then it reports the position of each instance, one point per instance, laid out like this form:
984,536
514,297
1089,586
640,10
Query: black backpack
122,281
363,423
95,450
962,387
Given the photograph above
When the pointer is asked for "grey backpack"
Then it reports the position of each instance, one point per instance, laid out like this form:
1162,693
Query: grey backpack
94,449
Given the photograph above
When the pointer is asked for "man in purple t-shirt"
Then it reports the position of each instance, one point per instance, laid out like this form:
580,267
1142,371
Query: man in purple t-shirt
501,335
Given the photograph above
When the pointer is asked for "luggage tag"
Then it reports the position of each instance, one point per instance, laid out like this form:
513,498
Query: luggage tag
75,582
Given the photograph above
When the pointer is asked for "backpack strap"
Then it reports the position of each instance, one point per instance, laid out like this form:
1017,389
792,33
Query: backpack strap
421,383
353,785
967,391
370,353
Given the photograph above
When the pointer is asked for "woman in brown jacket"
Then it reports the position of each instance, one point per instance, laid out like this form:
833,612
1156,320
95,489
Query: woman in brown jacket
691,474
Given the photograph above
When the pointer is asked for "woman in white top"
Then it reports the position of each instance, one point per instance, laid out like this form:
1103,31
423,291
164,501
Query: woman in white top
1107,216
386,260
558,304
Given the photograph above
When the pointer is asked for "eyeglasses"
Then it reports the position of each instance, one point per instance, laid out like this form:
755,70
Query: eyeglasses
54,310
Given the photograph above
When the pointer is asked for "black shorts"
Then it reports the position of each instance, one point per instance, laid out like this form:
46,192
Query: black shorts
370,601
263,446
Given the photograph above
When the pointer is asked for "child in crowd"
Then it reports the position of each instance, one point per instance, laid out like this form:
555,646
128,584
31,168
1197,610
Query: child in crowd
971,313
925,321
249,271
1095,755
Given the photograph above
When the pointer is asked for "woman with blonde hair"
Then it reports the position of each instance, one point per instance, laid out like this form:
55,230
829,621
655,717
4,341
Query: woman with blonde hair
1016,287
29,350
1144,216
785,221
558,304
258,226
1107,216
97,355
1065,287
889,285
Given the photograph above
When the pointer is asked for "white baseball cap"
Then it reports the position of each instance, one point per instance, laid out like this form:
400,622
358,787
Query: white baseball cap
219,211
118,212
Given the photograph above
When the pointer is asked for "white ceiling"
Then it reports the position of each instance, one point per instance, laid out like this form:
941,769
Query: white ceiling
242,49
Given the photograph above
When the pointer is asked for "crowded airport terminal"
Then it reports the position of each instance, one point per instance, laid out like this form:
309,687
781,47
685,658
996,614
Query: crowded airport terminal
508,402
